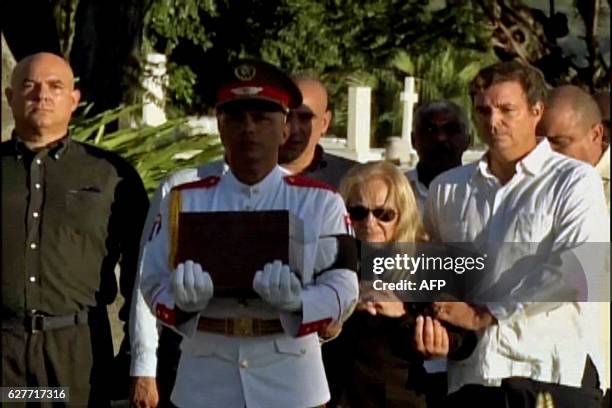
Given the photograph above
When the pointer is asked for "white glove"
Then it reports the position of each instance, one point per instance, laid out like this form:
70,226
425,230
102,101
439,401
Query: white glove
278,286
192,288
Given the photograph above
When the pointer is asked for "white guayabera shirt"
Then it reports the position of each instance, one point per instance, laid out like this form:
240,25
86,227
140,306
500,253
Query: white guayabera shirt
552,201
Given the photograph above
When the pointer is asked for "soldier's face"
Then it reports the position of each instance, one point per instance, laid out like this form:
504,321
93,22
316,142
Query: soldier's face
253,135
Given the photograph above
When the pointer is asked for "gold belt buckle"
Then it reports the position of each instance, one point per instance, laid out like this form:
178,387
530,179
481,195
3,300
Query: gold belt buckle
243,326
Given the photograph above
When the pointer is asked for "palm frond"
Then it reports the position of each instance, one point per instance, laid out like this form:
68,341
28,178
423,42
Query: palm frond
153,151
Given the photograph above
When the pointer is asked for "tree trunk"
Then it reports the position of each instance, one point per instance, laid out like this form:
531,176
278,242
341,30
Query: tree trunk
105,49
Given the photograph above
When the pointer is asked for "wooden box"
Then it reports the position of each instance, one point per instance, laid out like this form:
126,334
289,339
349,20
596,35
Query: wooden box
232,245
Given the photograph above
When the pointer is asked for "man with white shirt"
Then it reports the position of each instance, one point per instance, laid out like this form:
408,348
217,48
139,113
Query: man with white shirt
573,124
441,135
519,192
278,362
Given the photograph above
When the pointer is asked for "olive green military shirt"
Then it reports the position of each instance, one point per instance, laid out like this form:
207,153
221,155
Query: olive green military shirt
70,212
328,168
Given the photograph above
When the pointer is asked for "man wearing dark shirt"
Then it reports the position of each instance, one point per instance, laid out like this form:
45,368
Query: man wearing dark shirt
302,153
70,212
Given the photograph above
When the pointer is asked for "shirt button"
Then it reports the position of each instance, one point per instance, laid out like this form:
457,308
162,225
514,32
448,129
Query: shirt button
56,156
255,191
35,214
32,279
38,161
33,245
37,186
244,364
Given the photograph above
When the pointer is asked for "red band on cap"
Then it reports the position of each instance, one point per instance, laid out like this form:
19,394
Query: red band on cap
252,90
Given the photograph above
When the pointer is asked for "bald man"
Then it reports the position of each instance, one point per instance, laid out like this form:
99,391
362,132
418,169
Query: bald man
70,212
302,153
572,122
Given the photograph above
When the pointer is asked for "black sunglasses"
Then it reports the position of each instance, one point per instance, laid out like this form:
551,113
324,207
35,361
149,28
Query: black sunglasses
359,213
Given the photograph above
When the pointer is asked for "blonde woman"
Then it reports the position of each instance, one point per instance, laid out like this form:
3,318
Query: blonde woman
369,365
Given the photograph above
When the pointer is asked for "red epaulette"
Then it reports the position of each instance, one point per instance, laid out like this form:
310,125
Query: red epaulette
206,182
302,181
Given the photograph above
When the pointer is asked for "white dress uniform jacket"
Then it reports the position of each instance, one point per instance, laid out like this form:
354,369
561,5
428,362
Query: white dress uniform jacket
283,370
551,200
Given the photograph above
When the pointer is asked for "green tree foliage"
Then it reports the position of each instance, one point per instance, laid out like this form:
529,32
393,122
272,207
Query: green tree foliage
324,37
341,41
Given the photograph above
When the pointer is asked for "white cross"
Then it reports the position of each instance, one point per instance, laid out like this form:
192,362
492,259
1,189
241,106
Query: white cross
154,80
358,129
409,98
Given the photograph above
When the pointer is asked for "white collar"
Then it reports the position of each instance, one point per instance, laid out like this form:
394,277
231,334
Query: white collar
270,181
603,165
531,163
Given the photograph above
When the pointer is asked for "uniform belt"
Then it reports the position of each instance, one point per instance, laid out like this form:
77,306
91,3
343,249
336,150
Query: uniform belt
241,326
38,322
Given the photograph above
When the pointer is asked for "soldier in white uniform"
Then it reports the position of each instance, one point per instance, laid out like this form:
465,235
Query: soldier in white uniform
264,352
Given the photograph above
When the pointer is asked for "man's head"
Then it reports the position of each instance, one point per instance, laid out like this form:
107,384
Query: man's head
42,98
572,124
508,102
307,123
252,102
441,135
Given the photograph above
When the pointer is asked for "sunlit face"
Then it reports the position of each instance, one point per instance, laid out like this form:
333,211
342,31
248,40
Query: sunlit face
42,95
505,121
373,195
568,136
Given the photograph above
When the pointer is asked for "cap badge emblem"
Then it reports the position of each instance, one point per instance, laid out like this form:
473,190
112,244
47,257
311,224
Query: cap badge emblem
245,72
246,90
